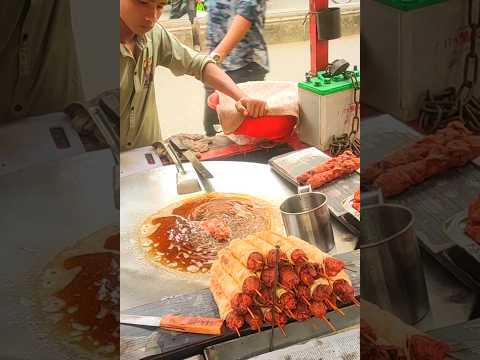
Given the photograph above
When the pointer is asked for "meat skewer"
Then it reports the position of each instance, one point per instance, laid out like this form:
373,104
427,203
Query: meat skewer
301,312
288,278
323,293
319,311
254,319
247,254
307,273
303,294
232,319
237,271
286,299
344,291
239,301
295,254
280,319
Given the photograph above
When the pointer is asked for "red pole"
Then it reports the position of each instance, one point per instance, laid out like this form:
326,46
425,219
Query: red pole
318,48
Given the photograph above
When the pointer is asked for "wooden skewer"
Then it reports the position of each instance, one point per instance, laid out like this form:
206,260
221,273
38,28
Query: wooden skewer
305,299
289,312
355,301
329,323
238,332
283,331
335,308
259,293
250,312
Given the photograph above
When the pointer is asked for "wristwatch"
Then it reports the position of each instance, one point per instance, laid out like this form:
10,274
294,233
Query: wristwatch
216,58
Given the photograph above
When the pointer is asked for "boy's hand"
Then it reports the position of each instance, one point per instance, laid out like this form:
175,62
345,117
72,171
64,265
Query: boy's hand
251,107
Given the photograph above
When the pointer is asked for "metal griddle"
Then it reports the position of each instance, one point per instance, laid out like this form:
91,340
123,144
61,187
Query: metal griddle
143,194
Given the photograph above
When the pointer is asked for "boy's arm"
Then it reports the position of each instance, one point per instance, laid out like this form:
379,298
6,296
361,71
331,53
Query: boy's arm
219,80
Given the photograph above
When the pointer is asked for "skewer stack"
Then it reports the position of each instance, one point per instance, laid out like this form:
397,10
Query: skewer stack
310,282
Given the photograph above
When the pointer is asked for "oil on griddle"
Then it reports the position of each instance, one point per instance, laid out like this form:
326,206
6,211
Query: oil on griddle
78,296
186,236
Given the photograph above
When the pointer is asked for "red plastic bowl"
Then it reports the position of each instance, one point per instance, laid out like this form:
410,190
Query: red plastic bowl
265,127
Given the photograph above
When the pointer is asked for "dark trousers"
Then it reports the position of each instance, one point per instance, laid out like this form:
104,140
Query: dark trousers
182,7
251,72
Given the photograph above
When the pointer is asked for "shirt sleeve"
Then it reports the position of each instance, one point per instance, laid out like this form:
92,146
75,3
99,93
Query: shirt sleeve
249,9
179,58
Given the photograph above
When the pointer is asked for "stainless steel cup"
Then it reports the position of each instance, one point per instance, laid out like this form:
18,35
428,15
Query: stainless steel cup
391,268
306,215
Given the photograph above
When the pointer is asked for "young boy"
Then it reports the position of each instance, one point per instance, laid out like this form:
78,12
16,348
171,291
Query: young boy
144,44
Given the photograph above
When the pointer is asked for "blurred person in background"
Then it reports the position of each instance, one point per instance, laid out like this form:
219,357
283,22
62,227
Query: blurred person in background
235,40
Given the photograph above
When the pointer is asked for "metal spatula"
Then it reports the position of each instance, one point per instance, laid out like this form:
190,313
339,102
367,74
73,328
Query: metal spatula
187,181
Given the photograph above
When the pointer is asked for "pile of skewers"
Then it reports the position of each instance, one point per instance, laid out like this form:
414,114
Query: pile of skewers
255,282
448,148
332,169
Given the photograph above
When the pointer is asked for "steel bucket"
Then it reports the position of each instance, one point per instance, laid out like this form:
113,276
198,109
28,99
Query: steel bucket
391,268
306,215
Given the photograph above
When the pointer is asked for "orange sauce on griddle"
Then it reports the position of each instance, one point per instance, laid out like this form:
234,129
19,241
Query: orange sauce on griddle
92,297
179,242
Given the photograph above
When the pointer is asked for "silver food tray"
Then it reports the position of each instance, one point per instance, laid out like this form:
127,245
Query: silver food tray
303,160
454,228
347,204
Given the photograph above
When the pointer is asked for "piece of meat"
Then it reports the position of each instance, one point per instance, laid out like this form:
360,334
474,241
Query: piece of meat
322,292
424,347
251,285
255,261
307,273
234,321
303,293
217,229
265,297
318,310
356,200
240,302
301,312
288,278
333,266
298,256
267,276
256,321
271,258
280,318
344,291
287,301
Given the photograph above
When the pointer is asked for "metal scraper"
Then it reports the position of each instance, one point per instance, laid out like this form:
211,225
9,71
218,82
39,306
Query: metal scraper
187,182
197,165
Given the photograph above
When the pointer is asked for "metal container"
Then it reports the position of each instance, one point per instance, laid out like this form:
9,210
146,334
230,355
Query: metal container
306,215
329,24
392,273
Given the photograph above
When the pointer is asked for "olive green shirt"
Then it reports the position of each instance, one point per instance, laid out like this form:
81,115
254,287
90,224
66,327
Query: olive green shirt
139,124
40,72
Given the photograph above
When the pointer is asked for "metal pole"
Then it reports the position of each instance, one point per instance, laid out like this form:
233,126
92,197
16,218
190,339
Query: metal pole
318,48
